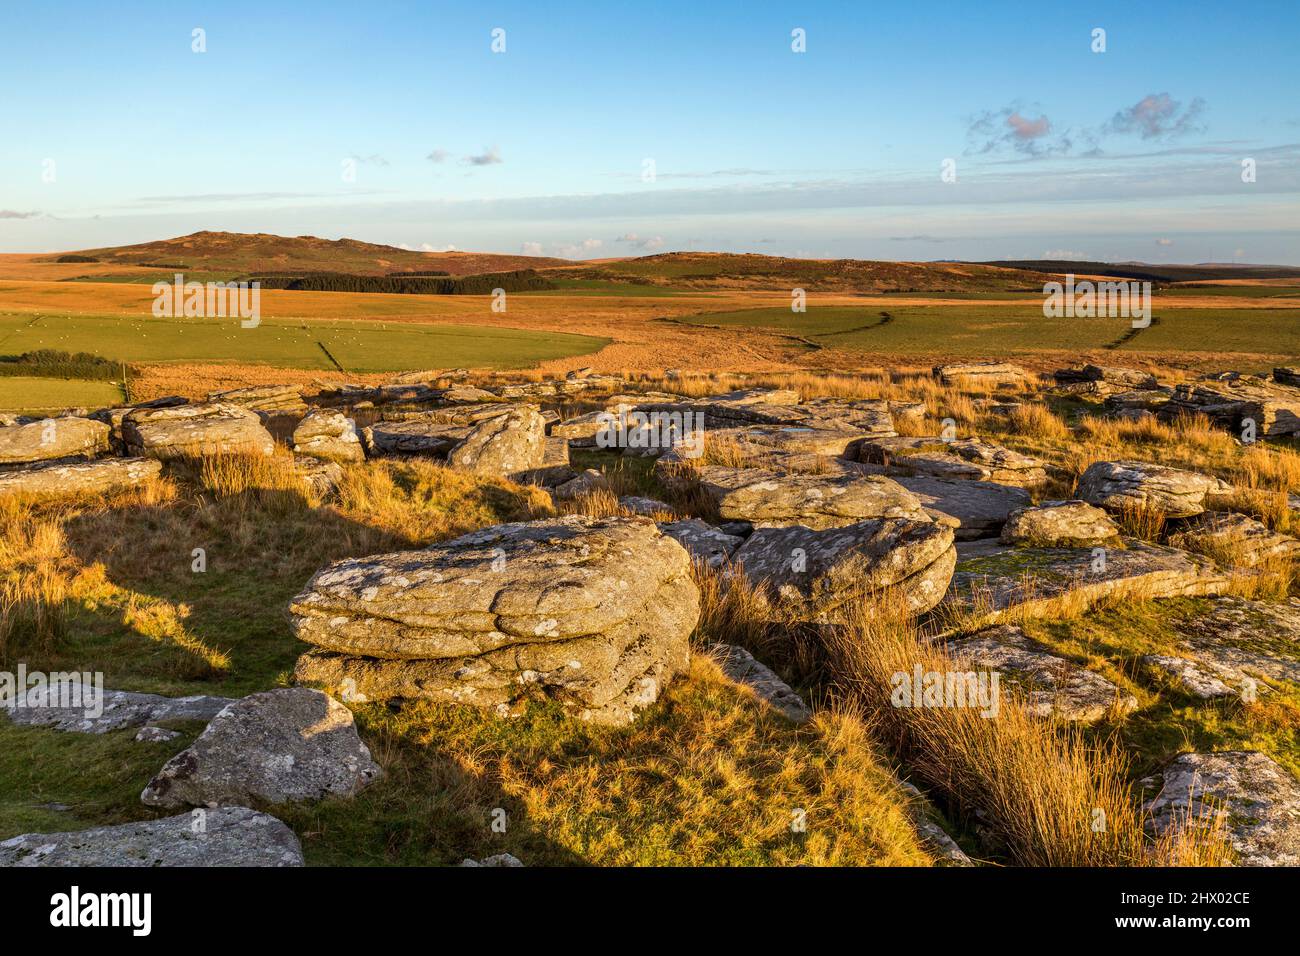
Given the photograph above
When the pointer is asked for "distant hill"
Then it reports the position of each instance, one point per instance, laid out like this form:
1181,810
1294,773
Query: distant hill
1199,272
261,253
716,270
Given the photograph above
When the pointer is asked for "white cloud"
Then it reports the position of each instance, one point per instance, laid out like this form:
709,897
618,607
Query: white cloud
531,249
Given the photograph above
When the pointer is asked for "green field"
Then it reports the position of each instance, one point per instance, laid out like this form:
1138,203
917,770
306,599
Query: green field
1007,330
356,346
24,394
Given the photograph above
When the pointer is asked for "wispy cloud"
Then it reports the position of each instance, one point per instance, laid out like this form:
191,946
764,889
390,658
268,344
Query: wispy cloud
489,157
14,214
1159,116
438,156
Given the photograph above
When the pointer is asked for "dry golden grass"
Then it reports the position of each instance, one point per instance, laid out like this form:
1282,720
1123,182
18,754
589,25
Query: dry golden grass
1036,421
1050,797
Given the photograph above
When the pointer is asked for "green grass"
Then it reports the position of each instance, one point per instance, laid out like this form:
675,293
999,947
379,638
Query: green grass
27,394
710,776
358,346
1168,721
1008,330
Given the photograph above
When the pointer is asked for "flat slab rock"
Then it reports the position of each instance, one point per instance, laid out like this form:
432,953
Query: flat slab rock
1052,686
813,501
974,509
999,577
102,476
287,745
985,374
742,667
230,836
818,572
1230,649
119,709
1261,801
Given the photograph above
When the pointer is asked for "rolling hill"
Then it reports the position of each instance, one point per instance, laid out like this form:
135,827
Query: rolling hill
262,253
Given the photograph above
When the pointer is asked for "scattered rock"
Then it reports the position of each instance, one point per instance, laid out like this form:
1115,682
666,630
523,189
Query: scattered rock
416,436
330,435
968,459
500,859
52,439
704,542
1127,378
88,715
267,399
1051,686
1061,524
995,578
506,445
648,507
1194,677
740,666
817,573
231,836
1273,407
814,501
1234,540
1176,493
279,746
974,509
1261,802
590,480
981,375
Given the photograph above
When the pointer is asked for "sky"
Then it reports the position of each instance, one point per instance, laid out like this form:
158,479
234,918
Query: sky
919,131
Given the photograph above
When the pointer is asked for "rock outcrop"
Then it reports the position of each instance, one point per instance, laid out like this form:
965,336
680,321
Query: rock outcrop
594,613
328,434
99,477
1061,524
1176,493
195,431
52,439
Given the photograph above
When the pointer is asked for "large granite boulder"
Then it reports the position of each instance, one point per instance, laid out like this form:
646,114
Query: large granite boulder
229,836
594,613
280,746
100,477
1050,686
814,501
1115,485
195,431
509,444
1060,524
1124,378
52,439
1258,800
820,574
328,434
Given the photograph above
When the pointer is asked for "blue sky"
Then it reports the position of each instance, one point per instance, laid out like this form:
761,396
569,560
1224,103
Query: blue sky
1134,153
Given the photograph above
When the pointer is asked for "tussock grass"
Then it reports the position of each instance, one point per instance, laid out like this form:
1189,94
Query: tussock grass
1049,795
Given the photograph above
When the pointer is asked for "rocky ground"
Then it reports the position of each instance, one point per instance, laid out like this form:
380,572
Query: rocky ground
579,569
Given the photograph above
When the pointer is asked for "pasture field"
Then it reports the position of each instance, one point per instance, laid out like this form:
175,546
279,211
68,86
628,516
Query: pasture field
356,346
29,394
974,330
